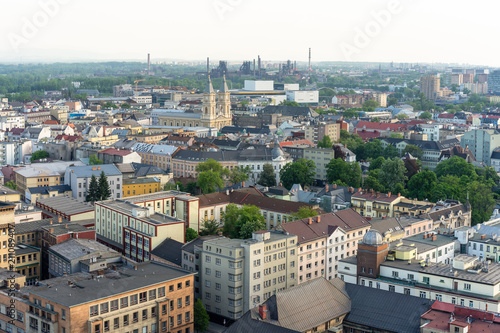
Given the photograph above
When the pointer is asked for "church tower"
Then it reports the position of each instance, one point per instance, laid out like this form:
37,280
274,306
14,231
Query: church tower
208,105
224,100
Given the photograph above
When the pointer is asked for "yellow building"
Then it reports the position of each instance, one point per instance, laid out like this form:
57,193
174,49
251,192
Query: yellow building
60,113
137,186
6,232
33,194
374,204
107,140
8,194
35,177
28,259
216,110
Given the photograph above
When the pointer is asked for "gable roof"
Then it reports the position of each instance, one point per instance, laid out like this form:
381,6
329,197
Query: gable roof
169,250
321,300
346,219
47,189
89,170
381,126
384,310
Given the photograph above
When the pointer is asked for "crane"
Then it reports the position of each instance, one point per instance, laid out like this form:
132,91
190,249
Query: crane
136,81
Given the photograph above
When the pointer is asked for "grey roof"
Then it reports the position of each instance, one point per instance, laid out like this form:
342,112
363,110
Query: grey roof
31,226
66,228
248,323
141,147
189,247
74,248
46,189
86,289
143,170
89,170
286,110
66,205
310,304
426,145
385,310
495,155
170,250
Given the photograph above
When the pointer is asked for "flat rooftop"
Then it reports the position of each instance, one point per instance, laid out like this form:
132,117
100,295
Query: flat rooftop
155,196
127,207
115,282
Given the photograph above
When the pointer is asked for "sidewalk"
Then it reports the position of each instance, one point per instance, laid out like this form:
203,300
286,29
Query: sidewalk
215,328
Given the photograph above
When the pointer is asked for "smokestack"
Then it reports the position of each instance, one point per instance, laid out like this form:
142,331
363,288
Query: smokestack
208,65
149,64
309,60
259,64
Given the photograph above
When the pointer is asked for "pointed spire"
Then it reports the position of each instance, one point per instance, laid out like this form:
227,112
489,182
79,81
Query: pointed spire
223,88
209,89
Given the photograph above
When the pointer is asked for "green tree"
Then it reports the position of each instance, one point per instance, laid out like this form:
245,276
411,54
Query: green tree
38,155
201,318
235,218
303,213
455,166
326,142
289,103
192,187
414,151
370,105
392,173
343,173
93,194
420,186
426,115
481,201
93,160
396,136
377,163
191,234
210,176
11,184
109,105
300,172
104,190
402,116
267,176
178,186
390,152
372,182
239,174
210,227
125,106
375,120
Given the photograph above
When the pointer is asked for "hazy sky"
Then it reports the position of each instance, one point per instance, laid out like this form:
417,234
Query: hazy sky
403,31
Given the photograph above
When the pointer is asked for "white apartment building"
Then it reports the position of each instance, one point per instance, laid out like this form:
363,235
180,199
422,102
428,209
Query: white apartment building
236,275
78,178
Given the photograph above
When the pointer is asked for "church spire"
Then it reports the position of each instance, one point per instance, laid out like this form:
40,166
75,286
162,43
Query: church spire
209,88
223,88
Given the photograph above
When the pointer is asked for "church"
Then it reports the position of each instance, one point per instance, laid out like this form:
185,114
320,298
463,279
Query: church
216,110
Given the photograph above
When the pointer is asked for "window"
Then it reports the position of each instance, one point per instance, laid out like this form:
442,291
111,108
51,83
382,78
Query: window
143,297
135,317
104,307
407,291
114,305
94,310
123,302
423,294
392,288
125,320
187,316
462,301
453,300
439,298
161,292
467,286
179,303
187,301
471,304
426,280
133,299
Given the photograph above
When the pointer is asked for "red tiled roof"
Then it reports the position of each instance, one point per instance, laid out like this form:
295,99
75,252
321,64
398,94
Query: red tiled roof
251,196
297,142
114,151
446,115
16,131
51,122
69,138
416,122
372,196
367,135
381,126
346,219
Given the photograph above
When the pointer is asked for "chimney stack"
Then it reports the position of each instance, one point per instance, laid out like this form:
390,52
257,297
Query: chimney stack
334,186
263,311
319,218
399,194
389,194
50,222
434,238
310,220
483,236
59,219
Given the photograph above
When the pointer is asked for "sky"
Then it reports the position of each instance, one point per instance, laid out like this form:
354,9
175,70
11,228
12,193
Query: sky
412,31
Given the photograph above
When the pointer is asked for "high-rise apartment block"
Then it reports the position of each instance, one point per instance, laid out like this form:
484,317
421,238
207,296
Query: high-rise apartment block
315,133
430,86
236,275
